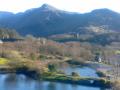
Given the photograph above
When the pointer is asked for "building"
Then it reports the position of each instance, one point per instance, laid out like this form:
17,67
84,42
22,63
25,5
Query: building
98,58
1,42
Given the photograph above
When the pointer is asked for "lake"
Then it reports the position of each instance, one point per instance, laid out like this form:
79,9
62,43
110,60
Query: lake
22,82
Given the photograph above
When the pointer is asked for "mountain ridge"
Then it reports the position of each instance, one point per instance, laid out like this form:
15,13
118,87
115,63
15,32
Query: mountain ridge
47,20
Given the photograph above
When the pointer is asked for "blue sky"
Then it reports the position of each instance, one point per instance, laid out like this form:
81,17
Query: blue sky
81,6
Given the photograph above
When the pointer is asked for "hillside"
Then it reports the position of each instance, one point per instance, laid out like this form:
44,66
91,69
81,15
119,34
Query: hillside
8,34
47,20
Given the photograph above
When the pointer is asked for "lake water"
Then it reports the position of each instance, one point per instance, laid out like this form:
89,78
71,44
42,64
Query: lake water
82,71
21,82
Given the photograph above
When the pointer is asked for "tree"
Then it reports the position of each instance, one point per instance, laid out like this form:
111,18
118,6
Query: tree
52,67
75,74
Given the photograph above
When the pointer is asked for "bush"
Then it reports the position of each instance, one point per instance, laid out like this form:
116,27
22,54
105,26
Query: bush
42,57
52,68
75,74
3,61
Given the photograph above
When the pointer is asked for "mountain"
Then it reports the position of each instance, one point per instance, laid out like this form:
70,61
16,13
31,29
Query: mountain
5,14
48,20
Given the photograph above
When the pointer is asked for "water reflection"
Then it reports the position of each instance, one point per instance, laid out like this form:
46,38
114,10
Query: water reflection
81,70
21,82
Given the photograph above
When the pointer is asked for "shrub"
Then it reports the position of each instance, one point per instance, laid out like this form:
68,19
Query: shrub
75,74
52,68
3,61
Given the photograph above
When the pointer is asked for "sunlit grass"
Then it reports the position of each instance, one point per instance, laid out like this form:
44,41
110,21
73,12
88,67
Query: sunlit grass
3,61
117,51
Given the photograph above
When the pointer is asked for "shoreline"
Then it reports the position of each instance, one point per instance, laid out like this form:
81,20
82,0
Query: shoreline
55,77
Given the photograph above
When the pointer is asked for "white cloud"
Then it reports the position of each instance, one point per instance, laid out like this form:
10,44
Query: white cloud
68,5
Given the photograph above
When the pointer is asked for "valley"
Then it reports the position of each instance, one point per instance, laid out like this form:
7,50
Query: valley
51,49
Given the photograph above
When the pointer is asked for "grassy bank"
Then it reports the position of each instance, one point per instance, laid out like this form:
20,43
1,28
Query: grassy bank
32,69
94,82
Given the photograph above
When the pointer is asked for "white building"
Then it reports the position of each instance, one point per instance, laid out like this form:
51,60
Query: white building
1,42
100,59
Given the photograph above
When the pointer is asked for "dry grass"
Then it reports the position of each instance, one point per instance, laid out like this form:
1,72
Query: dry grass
3,61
